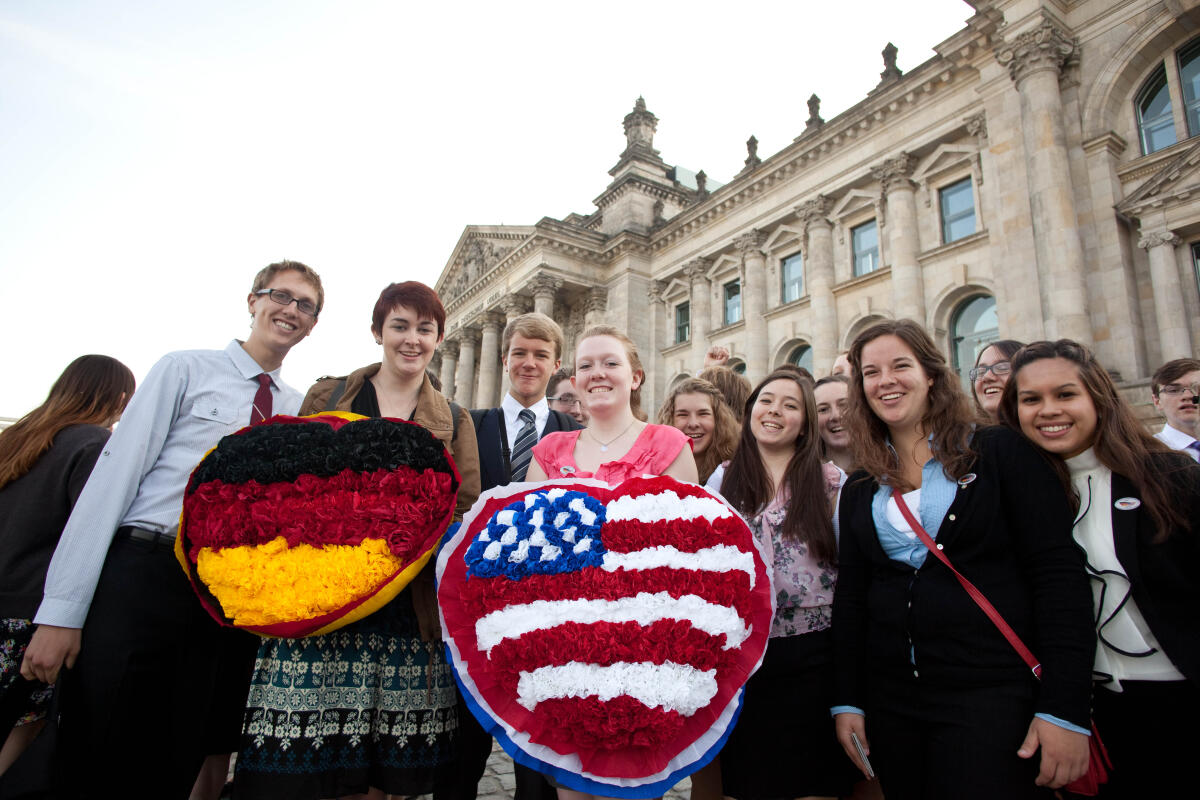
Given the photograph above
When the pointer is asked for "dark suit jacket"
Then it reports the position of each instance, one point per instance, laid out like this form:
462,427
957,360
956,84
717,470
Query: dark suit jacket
1164,575
493,471
1008,531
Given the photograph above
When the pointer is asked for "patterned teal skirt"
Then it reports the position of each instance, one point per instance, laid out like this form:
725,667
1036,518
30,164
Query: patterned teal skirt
369,705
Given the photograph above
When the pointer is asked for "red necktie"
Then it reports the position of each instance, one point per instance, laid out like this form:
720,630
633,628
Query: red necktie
262,400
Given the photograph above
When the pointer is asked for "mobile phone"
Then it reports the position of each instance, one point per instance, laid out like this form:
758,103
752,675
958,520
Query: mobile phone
862,755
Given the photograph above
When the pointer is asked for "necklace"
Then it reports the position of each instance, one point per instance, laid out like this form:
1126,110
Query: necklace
604,445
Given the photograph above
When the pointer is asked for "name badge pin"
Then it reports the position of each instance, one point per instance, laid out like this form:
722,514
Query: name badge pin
968,478
566,470
1127,503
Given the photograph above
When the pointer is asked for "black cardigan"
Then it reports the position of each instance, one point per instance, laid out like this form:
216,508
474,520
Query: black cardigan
1009,532
1164,576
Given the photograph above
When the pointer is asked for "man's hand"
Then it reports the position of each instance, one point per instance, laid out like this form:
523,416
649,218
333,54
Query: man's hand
50,649
717,356
1064,753
844,725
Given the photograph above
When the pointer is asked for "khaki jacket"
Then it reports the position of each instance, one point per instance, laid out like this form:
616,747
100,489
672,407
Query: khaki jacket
433,414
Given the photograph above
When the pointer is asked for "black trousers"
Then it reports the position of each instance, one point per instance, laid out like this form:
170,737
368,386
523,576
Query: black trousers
158,684
932,742
1140,727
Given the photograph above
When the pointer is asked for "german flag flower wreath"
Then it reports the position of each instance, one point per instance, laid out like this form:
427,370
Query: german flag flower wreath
603,634
300,525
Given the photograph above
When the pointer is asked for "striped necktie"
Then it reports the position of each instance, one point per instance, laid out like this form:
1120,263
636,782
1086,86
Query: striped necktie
523,449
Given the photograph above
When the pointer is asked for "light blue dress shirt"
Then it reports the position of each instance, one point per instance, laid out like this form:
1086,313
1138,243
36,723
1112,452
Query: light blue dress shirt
187,402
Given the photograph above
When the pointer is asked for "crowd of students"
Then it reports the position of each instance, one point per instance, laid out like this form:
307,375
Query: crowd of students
1040,486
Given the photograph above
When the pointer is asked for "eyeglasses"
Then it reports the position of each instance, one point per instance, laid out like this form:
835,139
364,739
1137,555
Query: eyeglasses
1176,388
285,298
566,400
997,369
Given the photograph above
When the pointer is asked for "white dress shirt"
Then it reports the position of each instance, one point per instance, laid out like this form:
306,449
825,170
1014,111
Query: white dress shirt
1177,440
512,424
187,402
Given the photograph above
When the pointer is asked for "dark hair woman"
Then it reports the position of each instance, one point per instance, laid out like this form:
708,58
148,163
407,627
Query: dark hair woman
377,697
784,744
951,708
45,459
1138,520
990,373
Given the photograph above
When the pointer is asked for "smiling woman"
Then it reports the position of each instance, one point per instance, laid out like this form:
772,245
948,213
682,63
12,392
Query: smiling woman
697,408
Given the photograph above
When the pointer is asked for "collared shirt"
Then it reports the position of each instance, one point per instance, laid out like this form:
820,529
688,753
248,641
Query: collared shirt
512,425
933,501
187,402
1177,440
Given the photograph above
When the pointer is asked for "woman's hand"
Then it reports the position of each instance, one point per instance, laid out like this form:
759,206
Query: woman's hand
1064,753
49,650
846,724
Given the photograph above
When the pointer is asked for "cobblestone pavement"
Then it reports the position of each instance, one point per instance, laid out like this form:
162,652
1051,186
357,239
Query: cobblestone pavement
497,781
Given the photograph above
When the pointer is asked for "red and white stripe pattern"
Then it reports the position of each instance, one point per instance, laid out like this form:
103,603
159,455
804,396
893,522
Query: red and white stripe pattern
660,632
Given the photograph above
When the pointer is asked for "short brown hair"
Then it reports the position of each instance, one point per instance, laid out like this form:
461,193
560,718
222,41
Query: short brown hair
533,325
1171,372
410,294
309,274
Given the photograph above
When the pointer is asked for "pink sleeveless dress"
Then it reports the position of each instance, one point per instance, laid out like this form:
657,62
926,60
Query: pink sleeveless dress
652,452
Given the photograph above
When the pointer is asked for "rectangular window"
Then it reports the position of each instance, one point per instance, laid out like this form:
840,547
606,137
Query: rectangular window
865,241
793,277
1196,262
958,211
733,302
683,322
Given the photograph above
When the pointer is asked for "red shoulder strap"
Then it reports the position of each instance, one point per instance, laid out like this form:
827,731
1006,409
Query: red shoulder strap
1026,655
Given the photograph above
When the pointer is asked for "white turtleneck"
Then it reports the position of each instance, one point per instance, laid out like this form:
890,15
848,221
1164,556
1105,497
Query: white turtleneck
1127,649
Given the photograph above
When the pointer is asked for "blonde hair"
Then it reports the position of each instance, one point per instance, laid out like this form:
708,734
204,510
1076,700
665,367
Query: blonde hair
533,325
635,363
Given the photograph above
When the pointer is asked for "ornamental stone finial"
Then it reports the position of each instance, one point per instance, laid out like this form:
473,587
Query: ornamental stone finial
893,173
814,121
752,159
1046,47
702,183
640,126
890,71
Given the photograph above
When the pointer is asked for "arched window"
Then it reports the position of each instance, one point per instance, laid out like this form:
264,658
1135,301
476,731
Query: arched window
975,326
737,366
802,356
1189,80
1156,123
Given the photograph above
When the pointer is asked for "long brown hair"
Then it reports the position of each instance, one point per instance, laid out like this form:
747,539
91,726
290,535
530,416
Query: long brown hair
1122,443
747,486
92,390
635,363
725,425
948,417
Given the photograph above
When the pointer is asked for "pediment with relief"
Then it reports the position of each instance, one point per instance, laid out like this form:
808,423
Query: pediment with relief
1174,182
475,255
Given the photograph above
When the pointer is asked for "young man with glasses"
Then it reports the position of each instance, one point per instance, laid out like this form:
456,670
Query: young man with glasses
532,346
153,684
562,397
1176,390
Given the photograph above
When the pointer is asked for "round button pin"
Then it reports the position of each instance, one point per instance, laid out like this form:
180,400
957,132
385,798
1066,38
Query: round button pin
1127,503
968,478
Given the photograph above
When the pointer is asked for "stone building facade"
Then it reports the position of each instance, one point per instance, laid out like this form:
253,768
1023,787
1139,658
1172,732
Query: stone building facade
1039,177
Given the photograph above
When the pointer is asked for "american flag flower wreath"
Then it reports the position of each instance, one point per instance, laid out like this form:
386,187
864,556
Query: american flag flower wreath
299,525
603,634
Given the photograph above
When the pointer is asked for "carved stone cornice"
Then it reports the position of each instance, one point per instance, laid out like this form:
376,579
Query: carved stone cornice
596,300
449,347
1157,238
697,270
654,292
750,243
893,173
545,285
1046,47
815,212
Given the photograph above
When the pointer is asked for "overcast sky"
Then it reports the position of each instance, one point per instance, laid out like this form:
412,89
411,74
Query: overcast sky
155,155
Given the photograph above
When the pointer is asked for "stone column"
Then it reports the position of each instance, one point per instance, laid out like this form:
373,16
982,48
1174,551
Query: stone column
544,288
489,362
449,350
1175,341
908,285
652,360
595,305
699,310
1035,60
464,381
754,303
818,277
514,306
